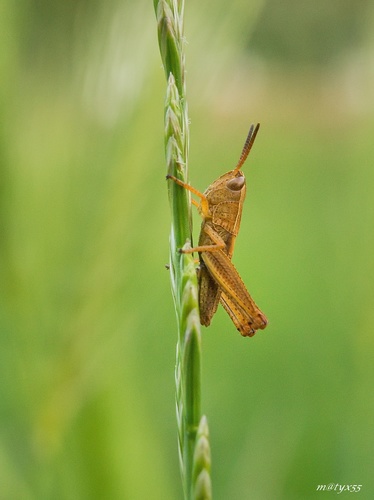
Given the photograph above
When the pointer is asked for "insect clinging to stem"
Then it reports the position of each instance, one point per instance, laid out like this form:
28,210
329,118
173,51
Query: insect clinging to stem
221,207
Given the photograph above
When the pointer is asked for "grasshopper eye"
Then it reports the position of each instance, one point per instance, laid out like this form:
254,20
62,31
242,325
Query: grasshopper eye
236,184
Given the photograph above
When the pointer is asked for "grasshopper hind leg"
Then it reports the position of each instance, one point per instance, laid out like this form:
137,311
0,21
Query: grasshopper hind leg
245,323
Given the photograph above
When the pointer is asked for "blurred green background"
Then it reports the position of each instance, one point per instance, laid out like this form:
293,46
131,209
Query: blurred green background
87,324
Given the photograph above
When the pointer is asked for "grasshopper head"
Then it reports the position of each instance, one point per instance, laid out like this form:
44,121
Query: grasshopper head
231,186
227,188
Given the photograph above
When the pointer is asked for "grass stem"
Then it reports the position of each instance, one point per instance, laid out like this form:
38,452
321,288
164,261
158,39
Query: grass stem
193,441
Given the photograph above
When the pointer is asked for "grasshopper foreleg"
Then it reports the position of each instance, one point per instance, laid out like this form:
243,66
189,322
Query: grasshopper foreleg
203,205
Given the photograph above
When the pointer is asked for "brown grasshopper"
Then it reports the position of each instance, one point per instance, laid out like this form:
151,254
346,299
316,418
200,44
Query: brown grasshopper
221,208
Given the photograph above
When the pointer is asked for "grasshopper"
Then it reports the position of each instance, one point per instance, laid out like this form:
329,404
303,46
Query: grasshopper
221,207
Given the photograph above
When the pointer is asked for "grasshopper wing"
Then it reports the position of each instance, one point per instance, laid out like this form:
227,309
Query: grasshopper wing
209,295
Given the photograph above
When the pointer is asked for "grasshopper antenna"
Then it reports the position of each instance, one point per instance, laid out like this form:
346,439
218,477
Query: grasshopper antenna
247,146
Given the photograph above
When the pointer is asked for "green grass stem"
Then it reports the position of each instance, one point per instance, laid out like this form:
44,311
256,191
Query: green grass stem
192,427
